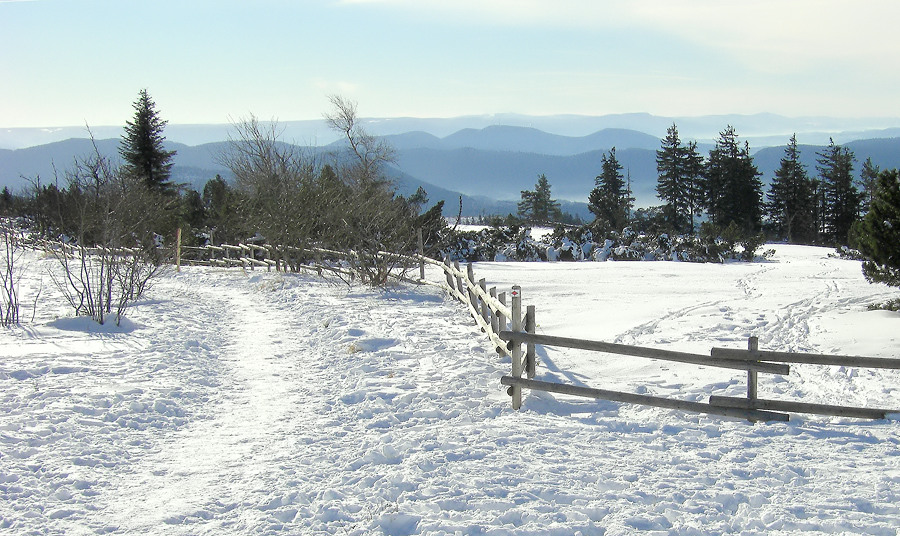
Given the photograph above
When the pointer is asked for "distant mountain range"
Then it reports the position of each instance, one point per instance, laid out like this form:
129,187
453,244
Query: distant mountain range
487,166
761,130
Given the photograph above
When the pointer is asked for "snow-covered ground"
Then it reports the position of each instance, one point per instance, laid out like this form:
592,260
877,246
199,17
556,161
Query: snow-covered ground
236,402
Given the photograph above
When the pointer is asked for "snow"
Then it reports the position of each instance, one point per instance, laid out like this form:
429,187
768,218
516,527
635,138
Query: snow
235,402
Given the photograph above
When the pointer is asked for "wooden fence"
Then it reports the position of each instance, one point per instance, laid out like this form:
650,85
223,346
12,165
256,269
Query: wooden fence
283,259
513,333
752,360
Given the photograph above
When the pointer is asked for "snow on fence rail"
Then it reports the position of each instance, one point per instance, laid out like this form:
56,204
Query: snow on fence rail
281,258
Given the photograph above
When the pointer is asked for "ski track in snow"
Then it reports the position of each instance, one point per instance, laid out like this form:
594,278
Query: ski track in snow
263,403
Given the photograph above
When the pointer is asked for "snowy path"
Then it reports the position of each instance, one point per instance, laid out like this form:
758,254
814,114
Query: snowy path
264,403
208,469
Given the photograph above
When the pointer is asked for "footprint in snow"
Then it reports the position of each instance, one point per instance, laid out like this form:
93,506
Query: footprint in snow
371,345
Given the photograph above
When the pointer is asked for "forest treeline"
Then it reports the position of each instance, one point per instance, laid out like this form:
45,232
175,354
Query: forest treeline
342,201
724,189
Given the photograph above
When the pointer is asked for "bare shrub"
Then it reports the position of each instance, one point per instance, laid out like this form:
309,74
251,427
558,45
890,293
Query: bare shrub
374,223
346,205
110,251
10,273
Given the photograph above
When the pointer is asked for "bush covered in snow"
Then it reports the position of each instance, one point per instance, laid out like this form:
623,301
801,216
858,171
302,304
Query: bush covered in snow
512,243
515,243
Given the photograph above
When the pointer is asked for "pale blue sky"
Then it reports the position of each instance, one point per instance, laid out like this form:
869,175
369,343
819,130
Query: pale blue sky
71,62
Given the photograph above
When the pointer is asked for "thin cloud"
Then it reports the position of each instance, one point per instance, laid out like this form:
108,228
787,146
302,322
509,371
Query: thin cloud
802,29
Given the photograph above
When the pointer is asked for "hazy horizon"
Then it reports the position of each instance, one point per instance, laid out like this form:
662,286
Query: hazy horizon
83,62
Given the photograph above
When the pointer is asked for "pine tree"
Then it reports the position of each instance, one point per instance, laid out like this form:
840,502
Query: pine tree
680,168
868,177
610,200
841,199
791,198
538,206
142,147
878,235
671,186
694,169
732,189
6,201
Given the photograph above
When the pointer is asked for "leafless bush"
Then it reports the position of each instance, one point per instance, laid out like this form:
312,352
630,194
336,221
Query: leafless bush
375,224
346,205
10,273
276,181
112,253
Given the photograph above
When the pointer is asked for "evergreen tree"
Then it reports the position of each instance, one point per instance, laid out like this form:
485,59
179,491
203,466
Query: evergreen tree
680,168
222,205
610,200
538,206
868,177
192,212
142,147
732,189
671,185
6,202
695,167
791,198
878,235
841,199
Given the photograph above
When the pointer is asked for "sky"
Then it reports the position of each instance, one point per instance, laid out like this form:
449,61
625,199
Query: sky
78,62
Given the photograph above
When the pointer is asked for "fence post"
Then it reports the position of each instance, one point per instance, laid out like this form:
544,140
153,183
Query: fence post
178,250
459,283
501,318
494,326
530,359
485,310
516,391
447,273
470,285
752,346
422,256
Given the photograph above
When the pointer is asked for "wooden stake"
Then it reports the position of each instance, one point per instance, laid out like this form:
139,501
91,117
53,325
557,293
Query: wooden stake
516,389
530,353
752,346
494,324
178,250
422,255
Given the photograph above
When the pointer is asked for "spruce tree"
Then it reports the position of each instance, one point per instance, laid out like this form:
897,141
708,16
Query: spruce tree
538,206
732,189
791,198
878,235
142,147
6,202
679,169
841,198
610,200
671,185
868,177
694,169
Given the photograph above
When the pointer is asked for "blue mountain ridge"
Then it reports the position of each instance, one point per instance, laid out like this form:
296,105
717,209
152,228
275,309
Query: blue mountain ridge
489,167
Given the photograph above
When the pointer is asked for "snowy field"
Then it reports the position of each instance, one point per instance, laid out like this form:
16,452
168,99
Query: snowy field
236,402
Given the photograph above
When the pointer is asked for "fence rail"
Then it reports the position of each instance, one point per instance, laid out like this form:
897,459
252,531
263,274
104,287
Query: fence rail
650,353
752,360
647,400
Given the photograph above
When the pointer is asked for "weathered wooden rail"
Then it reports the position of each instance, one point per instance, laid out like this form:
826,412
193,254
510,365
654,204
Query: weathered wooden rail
754,355
752,360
